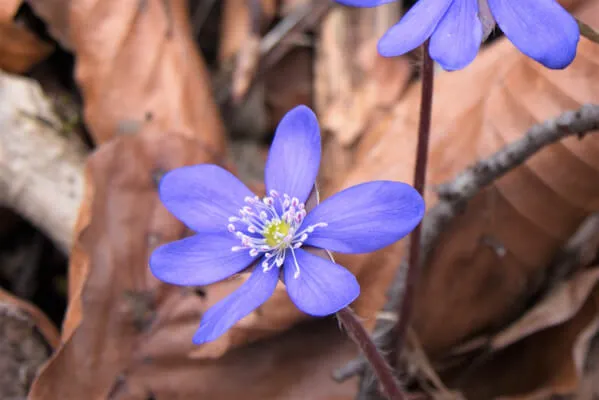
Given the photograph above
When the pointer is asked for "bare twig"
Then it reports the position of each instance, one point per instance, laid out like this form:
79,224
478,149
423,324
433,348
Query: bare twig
454,195
274,45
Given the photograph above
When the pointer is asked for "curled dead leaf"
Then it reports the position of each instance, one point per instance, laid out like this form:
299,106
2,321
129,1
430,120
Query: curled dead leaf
20,49
42,323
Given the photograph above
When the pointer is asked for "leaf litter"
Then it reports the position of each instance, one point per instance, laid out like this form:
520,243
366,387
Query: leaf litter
149,108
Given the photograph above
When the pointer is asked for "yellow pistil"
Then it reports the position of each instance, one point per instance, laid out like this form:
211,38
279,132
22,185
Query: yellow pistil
275,232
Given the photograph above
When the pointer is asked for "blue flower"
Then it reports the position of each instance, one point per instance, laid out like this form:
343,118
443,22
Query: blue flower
541,29
236,229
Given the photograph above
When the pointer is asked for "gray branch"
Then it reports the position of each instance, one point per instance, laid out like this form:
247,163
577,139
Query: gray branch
455,195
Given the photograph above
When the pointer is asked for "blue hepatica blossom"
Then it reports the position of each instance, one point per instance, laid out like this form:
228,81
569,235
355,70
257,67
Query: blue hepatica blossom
236,229
541,29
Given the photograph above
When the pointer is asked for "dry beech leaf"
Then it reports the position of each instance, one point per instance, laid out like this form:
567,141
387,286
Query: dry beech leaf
8,9
549,363
544,353
19,48
42,323
529,213
493,259
354,86
135,331
137,66
559,306
26,340
236,26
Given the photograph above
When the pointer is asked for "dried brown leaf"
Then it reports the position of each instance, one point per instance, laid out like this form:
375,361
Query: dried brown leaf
137,67
126,335
548,363
22,348
133,339
8,9
492,259
559,306
42,323
354,84
236,27
19,48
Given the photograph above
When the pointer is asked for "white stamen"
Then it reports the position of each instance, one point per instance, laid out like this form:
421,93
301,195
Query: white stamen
270,230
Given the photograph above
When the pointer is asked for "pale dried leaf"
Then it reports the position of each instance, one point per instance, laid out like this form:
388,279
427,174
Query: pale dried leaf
559,306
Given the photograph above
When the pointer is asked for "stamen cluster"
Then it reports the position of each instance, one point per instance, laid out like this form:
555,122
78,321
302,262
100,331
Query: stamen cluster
271,226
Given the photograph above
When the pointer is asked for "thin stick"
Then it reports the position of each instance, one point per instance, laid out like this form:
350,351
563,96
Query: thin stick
381,368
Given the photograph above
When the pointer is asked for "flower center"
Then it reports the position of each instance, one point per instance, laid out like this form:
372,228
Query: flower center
271,226
275,233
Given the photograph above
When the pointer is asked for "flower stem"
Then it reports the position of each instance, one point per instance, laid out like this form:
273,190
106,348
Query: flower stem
424,128
381,368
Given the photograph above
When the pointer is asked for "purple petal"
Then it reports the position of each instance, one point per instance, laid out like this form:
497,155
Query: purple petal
322,287
224,314
458,36
541,29
294,156
199,260
365,217
203,196
414,28
364,3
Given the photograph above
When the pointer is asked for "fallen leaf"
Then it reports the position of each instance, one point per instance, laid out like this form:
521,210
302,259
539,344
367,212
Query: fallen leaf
19,48
559,306
549,363
8,9
26,336
528,214
42,323
137,67
136,330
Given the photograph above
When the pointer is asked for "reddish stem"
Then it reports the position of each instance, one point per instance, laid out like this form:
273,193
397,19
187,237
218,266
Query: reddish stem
413,273
379,365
